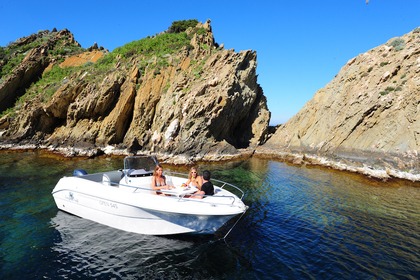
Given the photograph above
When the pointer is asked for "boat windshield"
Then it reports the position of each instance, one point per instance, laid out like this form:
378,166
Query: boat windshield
148,163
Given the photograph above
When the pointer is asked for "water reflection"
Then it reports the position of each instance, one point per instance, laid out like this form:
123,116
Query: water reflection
84,247
303,223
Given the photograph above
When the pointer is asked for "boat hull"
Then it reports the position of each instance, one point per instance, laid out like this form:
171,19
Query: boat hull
141,211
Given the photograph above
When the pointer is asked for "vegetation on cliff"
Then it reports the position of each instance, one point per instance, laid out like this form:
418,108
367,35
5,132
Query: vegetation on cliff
176,92
12,55
181,96
156,47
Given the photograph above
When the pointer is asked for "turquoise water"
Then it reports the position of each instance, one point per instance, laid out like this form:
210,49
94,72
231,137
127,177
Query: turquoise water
303,223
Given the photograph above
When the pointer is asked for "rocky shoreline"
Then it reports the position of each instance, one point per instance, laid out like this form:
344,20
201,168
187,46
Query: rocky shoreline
294,158
202,103
341,164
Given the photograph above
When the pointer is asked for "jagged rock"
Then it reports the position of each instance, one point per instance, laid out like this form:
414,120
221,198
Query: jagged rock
33,65
29,71
368,115
204,103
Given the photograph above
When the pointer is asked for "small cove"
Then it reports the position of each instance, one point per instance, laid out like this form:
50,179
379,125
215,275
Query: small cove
303,223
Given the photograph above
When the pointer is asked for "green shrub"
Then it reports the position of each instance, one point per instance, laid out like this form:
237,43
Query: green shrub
201,31
14,54
48,85
88,63
159,45
9,111
387,90
105,61
12,62
182,25
398,44
153,54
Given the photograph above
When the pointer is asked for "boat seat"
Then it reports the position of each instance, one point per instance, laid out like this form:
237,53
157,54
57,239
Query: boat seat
111,178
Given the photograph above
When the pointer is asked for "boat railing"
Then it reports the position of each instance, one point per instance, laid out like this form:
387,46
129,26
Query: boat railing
219,183
224,199
224,184
134,188
137,189
227,199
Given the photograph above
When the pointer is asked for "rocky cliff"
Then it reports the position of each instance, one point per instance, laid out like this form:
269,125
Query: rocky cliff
191,98
183,97
367,119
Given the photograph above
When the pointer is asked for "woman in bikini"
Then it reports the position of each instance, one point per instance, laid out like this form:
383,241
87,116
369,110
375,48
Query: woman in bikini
159,180
194,180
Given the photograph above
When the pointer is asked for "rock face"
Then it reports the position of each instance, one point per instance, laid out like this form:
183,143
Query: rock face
31,68
200,103
369,114
203,102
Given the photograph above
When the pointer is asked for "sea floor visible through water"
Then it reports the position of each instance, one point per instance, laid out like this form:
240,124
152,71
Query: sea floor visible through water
302,223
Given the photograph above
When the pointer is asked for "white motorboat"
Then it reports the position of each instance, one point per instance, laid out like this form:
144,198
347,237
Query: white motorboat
123,199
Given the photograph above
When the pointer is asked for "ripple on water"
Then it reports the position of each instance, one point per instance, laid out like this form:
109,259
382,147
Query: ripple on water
303,223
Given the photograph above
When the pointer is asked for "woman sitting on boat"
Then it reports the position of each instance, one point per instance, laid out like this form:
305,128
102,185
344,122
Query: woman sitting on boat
194,180
159,180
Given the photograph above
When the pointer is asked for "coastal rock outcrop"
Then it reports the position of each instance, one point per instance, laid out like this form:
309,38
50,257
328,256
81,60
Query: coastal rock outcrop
366,119
35,61
199,102
184,98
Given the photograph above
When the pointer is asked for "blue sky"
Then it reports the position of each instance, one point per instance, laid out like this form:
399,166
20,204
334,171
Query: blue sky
301,45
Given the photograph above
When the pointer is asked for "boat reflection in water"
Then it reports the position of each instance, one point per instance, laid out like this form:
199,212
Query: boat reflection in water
84,247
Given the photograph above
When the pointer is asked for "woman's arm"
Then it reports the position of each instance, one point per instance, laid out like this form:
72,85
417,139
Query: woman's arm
153,185
200,182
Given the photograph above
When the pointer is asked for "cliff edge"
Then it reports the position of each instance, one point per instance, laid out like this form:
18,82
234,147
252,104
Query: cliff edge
175,93
367,119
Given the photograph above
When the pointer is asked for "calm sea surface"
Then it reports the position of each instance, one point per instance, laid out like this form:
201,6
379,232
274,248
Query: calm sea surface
303,223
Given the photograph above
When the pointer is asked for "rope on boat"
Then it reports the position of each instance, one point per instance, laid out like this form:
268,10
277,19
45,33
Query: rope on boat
234,224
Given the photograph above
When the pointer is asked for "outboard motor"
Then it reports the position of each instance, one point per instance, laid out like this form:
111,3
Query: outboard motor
79,172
